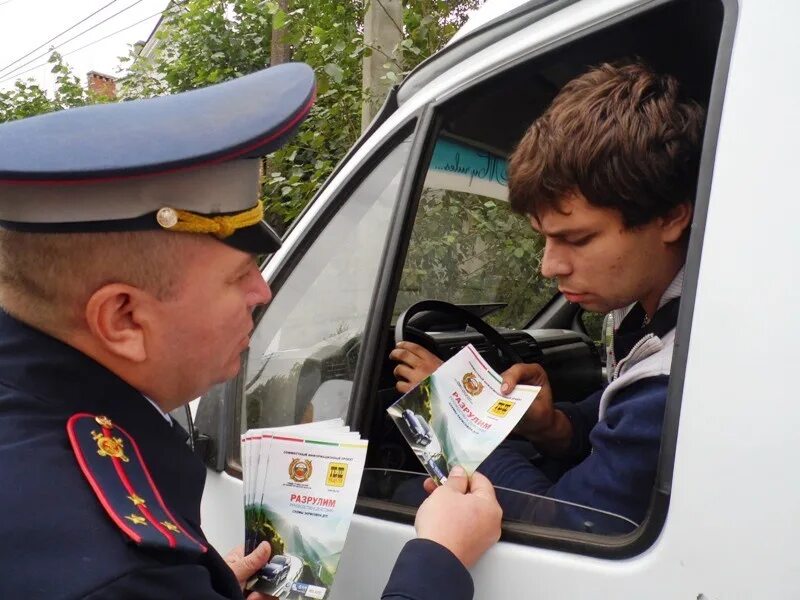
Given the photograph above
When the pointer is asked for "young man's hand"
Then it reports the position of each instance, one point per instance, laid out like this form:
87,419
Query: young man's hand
244,567
547,427
462,515
416,363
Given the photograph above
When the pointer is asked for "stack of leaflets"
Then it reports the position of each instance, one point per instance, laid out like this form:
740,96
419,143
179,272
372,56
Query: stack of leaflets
457,415
300,487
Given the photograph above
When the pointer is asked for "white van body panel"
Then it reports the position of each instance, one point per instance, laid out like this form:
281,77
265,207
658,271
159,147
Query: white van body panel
732,517
489,10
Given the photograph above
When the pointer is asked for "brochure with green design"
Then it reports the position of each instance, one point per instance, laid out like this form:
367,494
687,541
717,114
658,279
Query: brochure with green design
458,415
300,486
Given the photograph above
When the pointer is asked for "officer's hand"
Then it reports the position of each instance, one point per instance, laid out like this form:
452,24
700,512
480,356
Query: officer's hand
244,567
462,515
416,363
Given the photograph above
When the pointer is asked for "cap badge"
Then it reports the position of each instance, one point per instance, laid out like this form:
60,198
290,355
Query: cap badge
167,217
221,226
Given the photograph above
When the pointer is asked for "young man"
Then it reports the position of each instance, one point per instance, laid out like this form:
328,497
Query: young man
128,235
607,175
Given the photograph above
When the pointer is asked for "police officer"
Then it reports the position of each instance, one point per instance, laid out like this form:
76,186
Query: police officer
127,281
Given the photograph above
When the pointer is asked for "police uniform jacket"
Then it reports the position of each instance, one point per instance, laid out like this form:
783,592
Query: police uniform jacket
57,539
58,536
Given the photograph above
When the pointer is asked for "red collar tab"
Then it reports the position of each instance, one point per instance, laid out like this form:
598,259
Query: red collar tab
110,460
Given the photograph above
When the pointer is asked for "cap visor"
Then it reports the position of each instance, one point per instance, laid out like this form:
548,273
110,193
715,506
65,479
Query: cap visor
257,239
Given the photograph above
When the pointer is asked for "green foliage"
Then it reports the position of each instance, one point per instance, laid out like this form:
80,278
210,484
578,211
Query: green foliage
593,322
428,25
27,98
469,249
208,41
257,521
327,36
202,42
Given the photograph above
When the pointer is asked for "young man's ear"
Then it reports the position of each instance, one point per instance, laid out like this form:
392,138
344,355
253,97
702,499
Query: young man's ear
115,315
676,222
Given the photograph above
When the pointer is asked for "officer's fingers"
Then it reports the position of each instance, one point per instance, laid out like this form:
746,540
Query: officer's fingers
457,480
402,386
481,486
429,485
260,596
249,564
235,555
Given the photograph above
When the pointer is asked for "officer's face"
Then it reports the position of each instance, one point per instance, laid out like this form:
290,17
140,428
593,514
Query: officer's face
206,326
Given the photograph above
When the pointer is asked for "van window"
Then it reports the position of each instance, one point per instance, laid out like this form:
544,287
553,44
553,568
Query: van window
467,248
303,352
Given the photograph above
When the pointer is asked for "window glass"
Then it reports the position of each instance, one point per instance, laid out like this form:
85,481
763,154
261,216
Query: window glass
467,246
594,323
304,351
405,487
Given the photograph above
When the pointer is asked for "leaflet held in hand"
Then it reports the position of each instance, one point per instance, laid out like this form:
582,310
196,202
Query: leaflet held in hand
300,487
457,415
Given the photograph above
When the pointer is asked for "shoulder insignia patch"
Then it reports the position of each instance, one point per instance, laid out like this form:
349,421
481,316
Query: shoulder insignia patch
110,460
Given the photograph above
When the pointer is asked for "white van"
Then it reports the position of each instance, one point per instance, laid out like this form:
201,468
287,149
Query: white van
417,211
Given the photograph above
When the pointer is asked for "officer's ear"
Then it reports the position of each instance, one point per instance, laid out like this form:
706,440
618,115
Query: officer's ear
116,316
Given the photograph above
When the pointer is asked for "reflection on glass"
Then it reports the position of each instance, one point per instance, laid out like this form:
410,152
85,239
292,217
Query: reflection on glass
405,487
467,246
303,352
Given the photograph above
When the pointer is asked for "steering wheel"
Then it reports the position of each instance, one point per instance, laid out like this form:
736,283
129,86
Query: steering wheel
405,327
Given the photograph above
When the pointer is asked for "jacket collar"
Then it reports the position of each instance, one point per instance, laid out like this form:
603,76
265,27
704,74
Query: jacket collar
60,380
630,327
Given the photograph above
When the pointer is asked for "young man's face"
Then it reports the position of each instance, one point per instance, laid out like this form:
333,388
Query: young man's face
207,325
602,265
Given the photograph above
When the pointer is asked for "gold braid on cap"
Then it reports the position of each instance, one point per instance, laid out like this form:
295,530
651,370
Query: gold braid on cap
222,227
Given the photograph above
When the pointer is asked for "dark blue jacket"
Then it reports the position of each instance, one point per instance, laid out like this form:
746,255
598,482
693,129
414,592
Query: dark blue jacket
616,476
56,539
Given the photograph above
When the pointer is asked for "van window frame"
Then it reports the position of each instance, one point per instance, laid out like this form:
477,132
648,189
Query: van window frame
366,377
233,390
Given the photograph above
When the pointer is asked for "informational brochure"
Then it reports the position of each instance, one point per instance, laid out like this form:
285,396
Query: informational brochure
458,415
300,487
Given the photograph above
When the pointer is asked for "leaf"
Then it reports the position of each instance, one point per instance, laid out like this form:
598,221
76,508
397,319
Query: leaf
279,20
335,72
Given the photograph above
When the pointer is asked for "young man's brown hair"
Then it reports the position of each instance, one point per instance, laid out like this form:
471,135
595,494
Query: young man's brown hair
623,136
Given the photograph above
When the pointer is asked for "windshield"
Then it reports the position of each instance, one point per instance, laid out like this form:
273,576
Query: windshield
467,246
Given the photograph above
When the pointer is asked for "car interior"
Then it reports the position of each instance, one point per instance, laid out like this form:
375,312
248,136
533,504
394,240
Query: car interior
483,288
679,38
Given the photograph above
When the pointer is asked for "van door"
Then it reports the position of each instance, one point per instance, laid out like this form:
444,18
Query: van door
347,269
